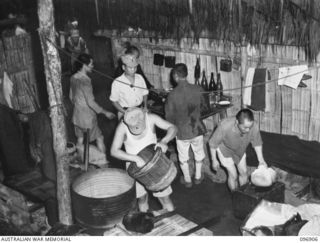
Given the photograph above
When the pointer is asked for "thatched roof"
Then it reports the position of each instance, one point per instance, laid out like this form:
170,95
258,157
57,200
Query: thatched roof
287,22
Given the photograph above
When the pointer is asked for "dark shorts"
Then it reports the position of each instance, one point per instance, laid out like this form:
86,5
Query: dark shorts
95,132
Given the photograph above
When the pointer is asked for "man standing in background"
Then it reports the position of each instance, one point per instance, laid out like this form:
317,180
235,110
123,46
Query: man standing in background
183,110
129,89
85,108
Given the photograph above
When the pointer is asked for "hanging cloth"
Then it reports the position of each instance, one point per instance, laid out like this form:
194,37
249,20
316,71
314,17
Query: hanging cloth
6,89
258,94
248,89
291,76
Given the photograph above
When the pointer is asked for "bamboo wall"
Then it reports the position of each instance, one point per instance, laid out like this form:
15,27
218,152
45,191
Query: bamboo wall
16,60
187,53
292,112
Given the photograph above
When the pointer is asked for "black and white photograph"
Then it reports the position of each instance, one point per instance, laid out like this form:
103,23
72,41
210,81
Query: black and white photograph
159,118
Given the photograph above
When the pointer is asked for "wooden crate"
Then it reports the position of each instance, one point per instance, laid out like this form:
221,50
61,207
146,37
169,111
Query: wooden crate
247,197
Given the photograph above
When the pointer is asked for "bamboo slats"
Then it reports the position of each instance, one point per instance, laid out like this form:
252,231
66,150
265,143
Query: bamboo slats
3,63
16,60
314,126
288,111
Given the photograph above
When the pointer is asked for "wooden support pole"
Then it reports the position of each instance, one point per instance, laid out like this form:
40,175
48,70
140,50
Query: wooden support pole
190,6
52,66
244,57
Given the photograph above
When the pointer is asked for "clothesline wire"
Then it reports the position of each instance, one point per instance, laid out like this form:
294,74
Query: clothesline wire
204,92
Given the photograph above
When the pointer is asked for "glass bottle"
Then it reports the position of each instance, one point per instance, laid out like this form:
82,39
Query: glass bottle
204,82
219,88
212,83
212,87
197,72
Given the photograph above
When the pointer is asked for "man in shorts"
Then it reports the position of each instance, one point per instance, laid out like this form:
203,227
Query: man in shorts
136,131
229,143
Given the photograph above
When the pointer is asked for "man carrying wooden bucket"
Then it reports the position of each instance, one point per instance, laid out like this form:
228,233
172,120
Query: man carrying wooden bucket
136,131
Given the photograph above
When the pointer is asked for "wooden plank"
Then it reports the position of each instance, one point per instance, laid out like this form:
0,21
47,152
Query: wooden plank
171,226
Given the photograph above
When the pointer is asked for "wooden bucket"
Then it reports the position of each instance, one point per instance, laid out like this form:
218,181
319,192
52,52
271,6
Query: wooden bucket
158,172
101,198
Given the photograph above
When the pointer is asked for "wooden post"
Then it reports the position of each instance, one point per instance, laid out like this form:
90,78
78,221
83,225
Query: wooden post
244,58
52,67
190,6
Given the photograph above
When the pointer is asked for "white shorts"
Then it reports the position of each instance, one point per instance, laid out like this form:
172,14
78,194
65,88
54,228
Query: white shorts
227,162
197,148
141,190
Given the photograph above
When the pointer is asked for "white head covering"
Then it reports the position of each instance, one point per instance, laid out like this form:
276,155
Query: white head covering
134,118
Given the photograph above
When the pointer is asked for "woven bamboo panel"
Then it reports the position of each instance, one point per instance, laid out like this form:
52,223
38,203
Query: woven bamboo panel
314,127
301,112
17,52
287,111
24,92
3,64
16,60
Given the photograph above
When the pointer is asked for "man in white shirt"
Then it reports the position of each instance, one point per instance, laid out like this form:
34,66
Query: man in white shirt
129,89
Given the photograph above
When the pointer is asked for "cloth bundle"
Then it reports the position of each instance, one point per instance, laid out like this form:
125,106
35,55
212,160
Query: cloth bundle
263,176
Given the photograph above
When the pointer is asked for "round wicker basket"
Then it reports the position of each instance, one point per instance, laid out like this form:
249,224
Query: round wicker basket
101,198
158,172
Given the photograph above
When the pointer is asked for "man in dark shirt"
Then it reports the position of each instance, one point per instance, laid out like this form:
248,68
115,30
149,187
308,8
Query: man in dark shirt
183,110
230,141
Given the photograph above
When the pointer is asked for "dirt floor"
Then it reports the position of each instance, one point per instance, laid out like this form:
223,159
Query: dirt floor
203,202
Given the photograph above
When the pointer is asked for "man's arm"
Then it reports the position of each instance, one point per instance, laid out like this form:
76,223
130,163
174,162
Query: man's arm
164,125
169,109
214,143
69,45
145,92
260,157
88,94
118,153
145,100
118,106
257,144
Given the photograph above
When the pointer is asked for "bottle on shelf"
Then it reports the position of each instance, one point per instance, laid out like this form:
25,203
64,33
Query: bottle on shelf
212,87
219,88
204,82
212,83
197,72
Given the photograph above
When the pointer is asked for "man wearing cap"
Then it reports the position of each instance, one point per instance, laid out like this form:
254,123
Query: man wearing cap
229,143
129,89
76,45
136,131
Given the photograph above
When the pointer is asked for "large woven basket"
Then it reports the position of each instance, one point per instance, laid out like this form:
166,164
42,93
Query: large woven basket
158,172
101,198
